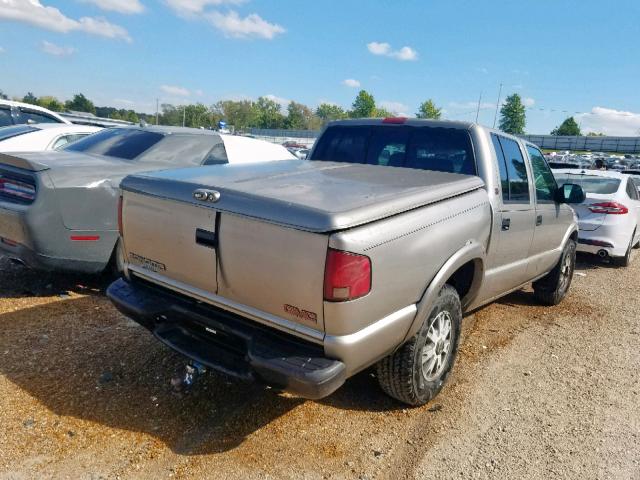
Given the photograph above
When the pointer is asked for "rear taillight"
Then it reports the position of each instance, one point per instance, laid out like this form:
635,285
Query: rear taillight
120,215
609,208
347,276
17,189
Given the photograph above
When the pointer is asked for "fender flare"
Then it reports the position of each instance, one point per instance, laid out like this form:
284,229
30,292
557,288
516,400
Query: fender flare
471,252
570,231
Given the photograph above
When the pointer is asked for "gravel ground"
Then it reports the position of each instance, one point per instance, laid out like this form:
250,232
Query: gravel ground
536,393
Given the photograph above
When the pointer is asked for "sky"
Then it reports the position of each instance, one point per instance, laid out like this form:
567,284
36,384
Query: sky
564,57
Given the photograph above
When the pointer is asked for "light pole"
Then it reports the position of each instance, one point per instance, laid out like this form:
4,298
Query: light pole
495,118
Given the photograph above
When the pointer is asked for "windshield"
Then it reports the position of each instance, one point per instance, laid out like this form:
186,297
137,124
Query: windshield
424,148
10,132
124,143
590,183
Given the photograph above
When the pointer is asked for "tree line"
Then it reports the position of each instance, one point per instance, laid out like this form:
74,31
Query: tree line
267,113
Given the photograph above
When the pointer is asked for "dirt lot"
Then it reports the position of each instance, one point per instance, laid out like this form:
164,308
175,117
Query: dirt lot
536,393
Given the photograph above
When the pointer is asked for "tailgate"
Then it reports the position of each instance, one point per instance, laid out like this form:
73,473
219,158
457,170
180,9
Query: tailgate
274,270
172,239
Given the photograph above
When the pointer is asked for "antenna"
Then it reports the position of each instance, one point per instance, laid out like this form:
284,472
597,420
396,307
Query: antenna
495,119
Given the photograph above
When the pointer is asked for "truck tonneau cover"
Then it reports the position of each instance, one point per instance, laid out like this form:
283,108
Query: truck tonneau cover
308,195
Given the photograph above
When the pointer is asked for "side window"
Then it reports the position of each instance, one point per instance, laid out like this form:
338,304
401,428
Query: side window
502,167
544,180
632,191
517,171
30,116
217,155
60,142
5,117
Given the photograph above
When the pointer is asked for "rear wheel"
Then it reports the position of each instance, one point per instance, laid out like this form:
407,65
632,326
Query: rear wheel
552,288
416,372
626,260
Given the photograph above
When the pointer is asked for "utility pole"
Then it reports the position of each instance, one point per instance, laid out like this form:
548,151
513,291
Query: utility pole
184,114
157,104
478,111
495,119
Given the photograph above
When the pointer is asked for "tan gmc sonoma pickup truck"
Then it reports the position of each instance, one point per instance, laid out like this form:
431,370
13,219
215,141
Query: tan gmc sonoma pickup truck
300,274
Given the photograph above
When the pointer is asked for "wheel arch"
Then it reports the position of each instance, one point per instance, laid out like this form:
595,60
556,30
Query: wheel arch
464,271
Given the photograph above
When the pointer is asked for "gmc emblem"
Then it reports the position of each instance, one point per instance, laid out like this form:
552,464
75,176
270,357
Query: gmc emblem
301,314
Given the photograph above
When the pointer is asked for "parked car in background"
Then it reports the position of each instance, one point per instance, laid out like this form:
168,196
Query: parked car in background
41,136
301,274
16,113
84,118
299,153
58,209
610,215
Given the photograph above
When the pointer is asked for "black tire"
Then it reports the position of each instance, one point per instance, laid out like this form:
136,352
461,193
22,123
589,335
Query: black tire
626,260
552,288
402,374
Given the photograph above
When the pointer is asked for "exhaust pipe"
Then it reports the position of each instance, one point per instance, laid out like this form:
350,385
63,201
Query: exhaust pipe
603,253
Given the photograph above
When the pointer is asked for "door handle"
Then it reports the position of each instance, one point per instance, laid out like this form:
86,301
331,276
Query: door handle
206,238
506,224
538,220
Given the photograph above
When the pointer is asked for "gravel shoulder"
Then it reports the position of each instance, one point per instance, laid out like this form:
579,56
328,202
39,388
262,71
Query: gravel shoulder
536,393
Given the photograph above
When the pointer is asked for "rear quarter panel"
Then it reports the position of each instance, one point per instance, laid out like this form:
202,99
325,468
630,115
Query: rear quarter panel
406,252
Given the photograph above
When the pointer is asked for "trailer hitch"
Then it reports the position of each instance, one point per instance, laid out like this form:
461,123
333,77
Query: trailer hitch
182,383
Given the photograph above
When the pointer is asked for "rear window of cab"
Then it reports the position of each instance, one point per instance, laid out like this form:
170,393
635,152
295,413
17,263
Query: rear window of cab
425,148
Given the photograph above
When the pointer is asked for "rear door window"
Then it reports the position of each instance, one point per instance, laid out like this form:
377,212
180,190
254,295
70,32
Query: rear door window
516,170
124,143
502,168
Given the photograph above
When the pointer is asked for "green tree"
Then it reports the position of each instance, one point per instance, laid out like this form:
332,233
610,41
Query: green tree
327,112
52,103
382,112
115,115
428,109
268,114
363,106
30,98
299,116
170,115
80,103
132,116
241,114
568,127
595,134
3,96
513,118
196,116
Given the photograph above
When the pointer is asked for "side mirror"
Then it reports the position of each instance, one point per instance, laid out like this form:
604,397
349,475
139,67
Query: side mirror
570,193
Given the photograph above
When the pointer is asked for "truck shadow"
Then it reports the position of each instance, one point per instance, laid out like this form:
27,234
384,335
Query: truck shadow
82,359
18,281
